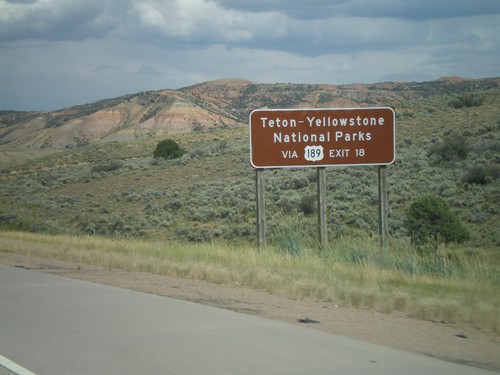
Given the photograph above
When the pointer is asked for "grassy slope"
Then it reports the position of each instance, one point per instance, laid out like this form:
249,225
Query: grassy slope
209,193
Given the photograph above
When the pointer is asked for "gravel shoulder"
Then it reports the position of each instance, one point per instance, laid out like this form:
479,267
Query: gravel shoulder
464,345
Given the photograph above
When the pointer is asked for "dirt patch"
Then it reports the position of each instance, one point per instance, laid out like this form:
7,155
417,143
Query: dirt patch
464,345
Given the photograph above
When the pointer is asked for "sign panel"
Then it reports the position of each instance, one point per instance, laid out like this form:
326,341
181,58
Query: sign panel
281,138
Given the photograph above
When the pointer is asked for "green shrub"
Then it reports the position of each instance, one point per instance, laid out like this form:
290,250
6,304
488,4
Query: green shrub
174,204
286,205
481,174
308,204
168,149
429,218
294,182
109,166
467,100
450,149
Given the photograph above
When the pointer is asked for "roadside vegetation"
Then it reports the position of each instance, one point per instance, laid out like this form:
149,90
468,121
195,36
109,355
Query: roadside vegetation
449,284
117,205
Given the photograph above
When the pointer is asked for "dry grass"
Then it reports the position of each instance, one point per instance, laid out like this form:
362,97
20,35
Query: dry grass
470,295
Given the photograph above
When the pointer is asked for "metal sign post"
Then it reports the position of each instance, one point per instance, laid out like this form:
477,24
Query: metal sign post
322,224
261,208
383,204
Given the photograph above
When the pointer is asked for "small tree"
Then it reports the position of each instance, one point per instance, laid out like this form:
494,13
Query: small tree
168,149
429,219
308,204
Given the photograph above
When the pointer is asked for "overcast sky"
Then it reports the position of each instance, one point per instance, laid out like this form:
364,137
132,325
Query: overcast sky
59,53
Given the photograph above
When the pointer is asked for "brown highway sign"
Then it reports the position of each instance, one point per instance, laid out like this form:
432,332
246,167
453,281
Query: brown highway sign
290,138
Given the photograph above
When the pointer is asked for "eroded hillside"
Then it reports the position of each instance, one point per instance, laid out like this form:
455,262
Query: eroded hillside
212,105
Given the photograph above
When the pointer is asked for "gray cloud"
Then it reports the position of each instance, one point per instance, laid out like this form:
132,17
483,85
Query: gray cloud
56,53
57,19
403,9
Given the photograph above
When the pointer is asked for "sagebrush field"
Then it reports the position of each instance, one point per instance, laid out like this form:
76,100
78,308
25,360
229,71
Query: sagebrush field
119,189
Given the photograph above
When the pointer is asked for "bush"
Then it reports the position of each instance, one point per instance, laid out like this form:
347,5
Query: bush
480,174
168,149
109,166
429,219
467,101
451,149
308,204
286,205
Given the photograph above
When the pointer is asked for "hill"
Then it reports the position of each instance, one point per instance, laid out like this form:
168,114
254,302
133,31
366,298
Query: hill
89,169
219,104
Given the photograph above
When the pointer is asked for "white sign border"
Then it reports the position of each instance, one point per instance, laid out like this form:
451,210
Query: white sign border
321,165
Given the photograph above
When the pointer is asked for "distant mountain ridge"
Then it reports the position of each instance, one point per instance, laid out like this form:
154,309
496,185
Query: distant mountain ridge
223,103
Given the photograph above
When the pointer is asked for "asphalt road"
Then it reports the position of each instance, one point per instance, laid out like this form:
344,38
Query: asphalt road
51,325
